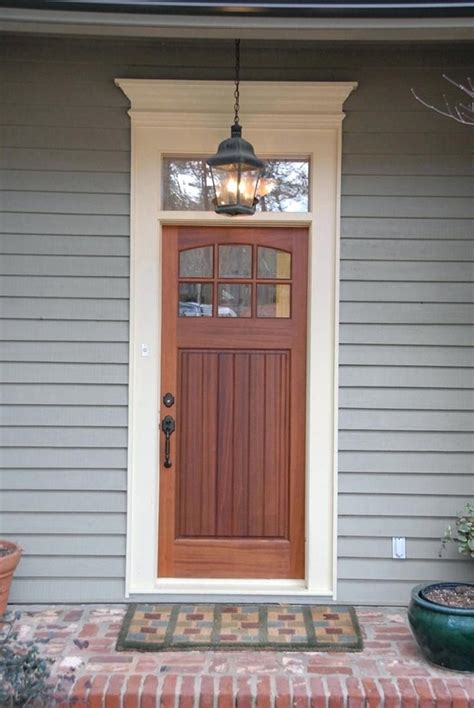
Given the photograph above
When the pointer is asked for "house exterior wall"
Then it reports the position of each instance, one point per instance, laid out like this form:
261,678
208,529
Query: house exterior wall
405,320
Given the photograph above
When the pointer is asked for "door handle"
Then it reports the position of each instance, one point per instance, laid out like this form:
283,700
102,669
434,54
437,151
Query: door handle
168,426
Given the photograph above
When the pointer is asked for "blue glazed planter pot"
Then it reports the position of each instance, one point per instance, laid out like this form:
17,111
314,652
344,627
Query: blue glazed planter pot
445,635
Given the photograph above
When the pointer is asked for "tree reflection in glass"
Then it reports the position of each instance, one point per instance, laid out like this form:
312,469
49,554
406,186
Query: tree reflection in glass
187,185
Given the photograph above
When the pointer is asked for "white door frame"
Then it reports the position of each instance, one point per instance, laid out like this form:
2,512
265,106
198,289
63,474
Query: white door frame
280,119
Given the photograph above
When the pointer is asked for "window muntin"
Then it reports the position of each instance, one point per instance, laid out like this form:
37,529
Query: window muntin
234,280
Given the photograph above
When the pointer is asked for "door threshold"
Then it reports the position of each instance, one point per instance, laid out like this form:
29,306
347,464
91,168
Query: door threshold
230,586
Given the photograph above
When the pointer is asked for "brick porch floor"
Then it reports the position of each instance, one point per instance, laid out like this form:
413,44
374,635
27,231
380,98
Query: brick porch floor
389,672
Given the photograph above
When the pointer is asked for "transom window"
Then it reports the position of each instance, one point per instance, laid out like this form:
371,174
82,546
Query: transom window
187,185
234,280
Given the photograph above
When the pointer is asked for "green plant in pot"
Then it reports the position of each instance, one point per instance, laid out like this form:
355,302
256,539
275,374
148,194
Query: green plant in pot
441,615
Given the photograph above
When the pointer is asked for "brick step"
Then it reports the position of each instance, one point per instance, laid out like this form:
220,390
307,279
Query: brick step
266,691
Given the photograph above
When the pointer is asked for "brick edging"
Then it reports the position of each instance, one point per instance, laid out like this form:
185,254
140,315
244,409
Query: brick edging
266,691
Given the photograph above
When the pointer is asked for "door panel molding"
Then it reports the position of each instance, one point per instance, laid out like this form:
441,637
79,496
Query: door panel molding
311,130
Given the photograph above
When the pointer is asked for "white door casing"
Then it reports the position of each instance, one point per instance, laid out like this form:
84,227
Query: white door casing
185,118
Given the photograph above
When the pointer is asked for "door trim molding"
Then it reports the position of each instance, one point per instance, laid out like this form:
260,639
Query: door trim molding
190,117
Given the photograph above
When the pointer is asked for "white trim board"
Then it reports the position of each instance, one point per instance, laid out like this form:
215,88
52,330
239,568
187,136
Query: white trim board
192,117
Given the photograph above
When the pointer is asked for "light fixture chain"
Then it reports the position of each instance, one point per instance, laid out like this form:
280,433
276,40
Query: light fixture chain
237,82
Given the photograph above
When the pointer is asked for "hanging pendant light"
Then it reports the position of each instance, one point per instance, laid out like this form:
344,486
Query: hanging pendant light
235,169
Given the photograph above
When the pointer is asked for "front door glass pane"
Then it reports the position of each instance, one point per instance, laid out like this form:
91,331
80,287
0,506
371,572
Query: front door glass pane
196,263
234,300
273,300
195,300
235,261
273,263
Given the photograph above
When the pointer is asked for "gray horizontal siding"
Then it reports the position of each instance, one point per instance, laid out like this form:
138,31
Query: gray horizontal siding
430,164
58,522
373,291
43,501
407,399
403,270
91,183
419,549
405,505
371,420
87,352
73,224
82,160
64,309
63,286
47,437
384,526
407,228
413,484
406,396
65,416
72,567
57,456
65,373
72,546
63,394
418,461
409,376
379,569
411,186
41,244
28,136
406,357
410,334
64,330
425,250
42,590
64,203
63,479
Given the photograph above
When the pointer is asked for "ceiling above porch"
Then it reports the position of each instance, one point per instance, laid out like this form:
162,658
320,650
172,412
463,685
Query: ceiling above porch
372,20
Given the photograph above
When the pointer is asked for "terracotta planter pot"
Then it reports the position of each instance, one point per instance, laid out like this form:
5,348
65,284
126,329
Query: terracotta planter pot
8,565
444,634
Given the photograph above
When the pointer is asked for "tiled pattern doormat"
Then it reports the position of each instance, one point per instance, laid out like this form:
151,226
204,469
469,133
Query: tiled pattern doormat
216,626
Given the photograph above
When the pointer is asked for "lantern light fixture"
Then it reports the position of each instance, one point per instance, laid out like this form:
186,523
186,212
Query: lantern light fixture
235,168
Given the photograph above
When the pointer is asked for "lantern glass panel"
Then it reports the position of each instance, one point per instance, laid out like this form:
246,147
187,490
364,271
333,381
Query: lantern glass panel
234,185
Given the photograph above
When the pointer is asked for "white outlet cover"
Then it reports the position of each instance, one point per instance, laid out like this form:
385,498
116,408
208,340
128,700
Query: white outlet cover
399,547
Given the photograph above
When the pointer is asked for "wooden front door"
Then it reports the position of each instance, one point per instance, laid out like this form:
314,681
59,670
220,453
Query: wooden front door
234,361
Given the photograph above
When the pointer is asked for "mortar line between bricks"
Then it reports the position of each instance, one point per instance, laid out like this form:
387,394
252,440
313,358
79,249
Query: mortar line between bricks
326,691
290,691
197,690
177,690
235,690
273,691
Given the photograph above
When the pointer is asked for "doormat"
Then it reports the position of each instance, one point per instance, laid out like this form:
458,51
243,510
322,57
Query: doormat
173,627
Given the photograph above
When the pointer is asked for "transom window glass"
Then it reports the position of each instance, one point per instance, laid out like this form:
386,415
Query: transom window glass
234,280
187,185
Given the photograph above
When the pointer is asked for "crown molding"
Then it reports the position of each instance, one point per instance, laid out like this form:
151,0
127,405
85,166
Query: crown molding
204,103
